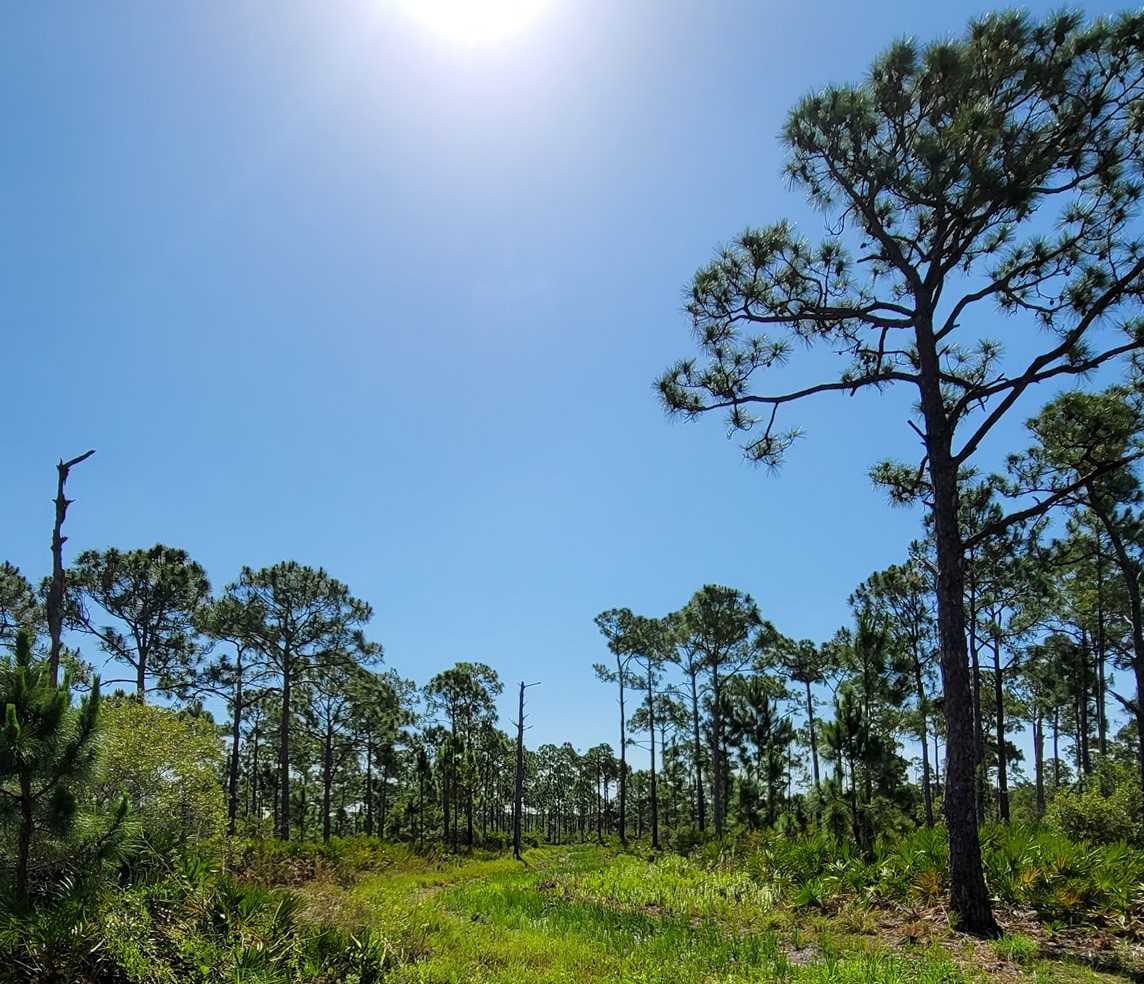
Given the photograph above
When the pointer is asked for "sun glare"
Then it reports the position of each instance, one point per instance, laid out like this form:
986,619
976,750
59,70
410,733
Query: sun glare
474,21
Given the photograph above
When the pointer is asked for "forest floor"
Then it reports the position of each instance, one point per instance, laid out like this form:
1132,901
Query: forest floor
583,913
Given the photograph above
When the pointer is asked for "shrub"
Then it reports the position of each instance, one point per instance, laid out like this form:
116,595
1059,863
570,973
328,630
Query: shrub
1109,809
1037,867
194,926
48,750
167,764
916,865
496,841
285,863
685,841
1058,877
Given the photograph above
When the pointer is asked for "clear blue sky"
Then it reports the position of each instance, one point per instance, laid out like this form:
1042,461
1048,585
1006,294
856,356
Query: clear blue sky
319,284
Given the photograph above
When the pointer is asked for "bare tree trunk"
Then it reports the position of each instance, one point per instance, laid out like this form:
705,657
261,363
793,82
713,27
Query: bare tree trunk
813,735
623,758
327,780
384,796
975,670
927,792
601,803
969,896
141,654
936,762
701,806
1082,707
420,807
446,830
284,756
469,816
1002,763
717,764
1056,747
651,731
369,783
1101,642
1039,759
254,802
55,600
518,785
235,738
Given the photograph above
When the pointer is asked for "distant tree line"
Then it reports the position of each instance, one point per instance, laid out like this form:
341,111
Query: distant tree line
738,724
744,725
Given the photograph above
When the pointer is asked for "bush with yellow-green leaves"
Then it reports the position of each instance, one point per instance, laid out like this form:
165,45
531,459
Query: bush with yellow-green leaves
167,763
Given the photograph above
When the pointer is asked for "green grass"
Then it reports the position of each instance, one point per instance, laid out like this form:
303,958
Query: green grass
1018,948
754,909
589,914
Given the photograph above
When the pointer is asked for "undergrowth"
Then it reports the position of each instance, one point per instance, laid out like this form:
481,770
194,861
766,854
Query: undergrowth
759,906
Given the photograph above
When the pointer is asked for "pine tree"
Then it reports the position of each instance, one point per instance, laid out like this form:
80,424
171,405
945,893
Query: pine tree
153,599
930,232
47,750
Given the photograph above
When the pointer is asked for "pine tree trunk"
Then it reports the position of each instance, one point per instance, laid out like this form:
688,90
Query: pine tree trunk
936,763
927,792
1130,571
518,783
284,756
420,808
978,722
141,675
623,758
1101,642
1039,759
469,817
813,735
384,797
700,805
999,710
446,830
651,731
302,811
601,805
369,784
717,763
254,800
969,896
235,738
1056,748
1082,707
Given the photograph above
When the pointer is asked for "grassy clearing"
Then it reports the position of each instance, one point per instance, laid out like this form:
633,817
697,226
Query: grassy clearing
361,912
586,913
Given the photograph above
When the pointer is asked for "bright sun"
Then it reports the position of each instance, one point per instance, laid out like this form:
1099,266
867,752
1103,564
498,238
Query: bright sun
474,21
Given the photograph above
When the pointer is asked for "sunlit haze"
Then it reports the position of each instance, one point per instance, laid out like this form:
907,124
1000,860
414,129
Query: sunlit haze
474,21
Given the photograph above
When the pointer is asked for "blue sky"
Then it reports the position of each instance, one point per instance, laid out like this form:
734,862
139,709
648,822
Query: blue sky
319,284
